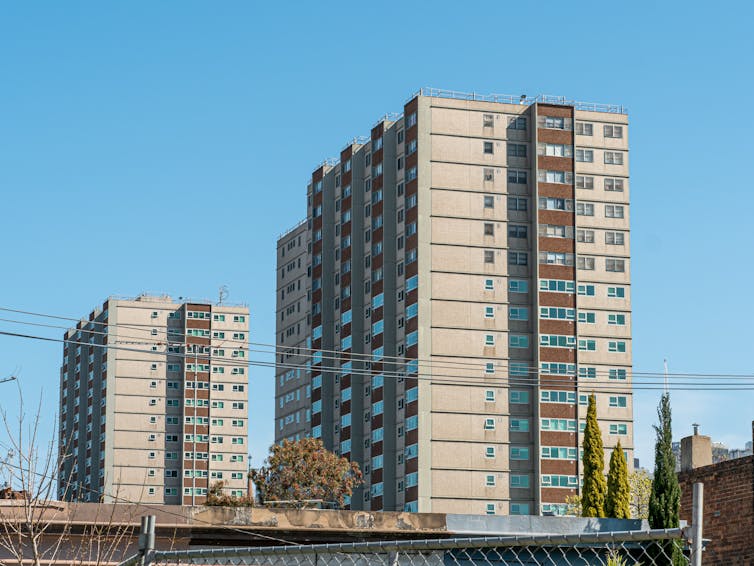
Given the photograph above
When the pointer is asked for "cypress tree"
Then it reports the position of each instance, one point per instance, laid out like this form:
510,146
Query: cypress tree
593,494
665,498
618,491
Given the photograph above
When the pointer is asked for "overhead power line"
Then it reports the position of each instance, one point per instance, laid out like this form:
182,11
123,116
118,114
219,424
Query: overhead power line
437,379
347,356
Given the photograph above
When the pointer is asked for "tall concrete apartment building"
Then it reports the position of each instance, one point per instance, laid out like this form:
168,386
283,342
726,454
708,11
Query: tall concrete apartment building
153,402
292,369
468,282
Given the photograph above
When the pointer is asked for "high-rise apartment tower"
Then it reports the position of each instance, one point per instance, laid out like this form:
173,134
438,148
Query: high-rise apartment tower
153,402
468,282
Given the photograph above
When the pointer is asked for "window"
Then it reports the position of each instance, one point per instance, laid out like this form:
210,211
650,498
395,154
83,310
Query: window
489,312
519,425
619,428
516,177
518,341
554,231
584,209
558,453
517,203
518,286
559,481
516,150
617,374
519,397
489,452
615,264
489,339
555,258
616,319
614,238
558,177
586,290
550,203
489,396
584,128
489,256
585,155
585,236
554,150
489,424
557,341
490,509
567,425
585,263
557,396
517,231
519,453
613,158
557,313
615,185
489,480
584,182
588,345
556,285
517,123
518,258
616,292
518,313
613,211
613,131
489,285
489,148
618,401
554,123
587,317
489,201
616,346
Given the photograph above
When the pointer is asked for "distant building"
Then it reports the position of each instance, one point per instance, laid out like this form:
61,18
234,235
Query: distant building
153,402
728,502
465,270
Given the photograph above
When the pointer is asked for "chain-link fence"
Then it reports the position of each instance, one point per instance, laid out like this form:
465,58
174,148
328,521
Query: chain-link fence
632,548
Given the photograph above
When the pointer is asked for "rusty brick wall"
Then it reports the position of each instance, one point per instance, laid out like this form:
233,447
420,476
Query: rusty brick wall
728,509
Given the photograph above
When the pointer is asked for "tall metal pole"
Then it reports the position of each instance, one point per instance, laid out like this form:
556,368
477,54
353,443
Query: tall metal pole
696,524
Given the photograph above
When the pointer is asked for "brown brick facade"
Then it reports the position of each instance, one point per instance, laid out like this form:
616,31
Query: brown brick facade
728,509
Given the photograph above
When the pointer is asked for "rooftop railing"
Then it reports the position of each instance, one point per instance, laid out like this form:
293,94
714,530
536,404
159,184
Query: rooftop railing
522,99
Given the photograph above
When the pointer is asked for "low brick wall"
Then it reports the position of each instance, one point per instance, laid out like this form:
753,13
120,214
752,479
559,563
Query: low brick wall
728,509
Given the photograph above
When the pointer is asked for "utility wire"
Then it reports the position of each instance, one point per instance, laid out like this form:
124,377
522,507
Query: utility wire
341,356
477,381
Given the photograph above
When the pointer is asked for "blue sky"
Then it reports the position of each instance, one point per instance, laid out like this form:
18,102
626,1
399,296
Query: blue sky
125,127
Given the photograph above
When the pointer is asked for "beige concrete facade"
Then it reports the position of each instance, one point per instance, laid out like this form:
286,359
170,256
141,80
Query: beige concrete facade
166,390
510,300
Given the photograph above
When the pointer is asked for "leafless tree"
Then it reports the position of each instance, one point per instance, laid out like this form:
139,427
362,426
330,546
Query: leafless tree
35,527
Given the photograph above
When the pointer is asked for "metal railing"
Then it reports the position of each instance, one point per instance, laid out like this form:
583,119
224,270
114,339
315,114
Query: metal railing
522,99
630,548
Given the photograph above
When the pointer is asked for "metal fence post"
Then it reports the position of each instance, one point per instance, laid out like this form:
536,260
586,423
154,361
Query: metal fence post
146,540
696,524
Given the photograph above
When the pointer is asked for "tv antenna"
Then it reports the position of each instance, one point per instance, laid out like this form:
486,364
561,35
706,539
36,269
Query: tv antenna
666,375
222,294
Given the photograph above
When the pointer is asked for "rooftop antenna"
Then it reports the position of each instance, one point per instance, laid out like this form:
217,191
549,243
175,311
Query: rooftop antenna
666,375
222,294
